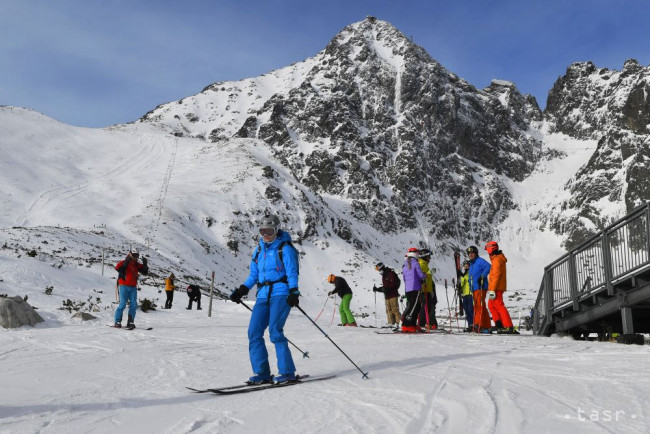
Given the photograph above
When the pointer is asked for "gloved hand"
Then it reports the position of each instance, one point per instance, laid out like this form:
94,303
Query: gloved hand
329,294
374,288
492,295
292,299
238,293
144,261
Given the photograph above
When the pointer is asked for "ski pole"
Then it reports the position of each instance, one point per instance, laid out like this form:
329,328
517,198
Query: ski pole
377,324
456,303
304,353
448,307
365,374
321,311
333,312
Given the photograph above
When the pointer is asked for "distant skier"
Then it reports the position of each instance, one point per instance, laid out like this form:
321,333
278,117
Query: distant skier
274,269
427,316
479,269
344,291
466,296
128,270
194,293
169,291
414,277
496,288
390,286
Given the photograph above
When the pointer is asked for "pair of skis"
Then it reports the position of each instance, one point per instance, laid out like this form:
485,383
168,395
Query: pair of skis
246,388
430,332
134,328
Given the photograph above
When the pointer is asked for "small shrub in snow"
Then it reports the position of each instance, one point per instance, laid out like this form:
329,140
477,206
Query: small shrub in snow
49,289
146,304
71,305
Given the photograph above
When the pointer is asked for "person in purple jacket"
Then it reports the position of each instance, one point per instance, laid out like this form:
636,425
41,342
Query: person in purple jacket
414,277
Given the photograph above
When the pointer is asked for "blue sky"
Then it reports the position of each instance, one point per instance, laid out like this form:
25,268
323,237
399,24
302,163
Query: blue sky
100,62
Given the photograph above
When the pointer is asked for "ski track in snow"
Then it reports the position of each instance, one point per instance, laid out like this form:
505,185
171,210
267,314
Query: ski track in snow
89,377
147,155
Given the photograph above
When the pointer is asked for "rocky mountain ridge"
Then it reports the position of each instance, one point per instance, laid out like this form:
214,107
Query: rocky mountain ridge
374,121
613,108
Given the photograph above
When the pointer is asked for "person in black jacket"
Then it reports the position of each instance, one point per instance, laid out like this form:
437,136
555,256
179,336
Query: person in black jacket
194,293
344,291
390,284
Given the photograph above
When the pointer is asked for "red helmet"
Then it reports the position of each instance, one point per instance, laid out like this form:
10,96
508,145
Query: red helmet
491,247
413,252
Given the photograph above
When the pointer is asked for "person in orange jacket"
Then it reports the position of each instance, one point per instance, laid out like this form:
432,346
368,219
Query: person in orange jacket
169,291
496,288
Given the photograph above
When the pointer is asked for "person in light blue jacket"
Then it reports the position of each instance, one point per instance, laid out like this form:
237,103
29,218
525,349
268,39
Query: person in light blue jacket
274,269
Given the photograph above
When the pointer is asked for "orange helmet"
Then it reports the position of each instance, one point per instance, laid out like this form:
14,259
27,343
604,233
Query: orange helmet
491,247
331,278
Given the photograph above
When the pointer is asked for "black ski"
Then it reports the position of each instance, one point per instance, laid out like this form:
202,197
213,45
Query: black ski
238,386
126,328
431,332
270,386
245,388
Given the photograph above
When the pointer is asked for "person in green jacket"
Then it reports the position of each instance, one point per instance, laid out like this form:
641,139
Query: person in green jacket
344,291
466,296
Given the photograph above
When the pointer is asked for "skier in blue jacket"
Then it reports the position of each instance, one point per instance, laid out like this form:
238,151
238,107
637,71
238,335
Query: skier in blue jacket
479,269
274,269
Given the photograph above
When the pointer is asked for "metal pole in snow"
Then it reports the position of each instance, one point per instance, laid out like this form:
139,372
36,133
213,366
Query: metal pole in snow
210,302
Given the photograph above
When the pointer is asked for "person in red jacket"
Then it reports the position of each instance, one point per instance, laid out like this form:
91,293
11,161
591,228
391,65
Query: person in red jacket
127,280
496,288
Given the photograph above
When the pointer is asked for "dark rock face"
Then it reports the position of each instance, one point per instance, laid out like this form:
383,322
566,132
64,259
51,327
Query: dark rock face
374,122
393,131
612,107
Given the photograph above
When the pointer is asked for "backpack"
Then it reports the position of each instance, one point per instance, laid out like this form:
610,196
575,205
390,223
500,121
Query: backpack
280,249
392,279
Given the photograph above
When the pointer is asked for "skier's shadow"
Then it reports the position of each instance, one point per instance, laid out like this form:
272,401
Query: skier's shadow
414,363
18,411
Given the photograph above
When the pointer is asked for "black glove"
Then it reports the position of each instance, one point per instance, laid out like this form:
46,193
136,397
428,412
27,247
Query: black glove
292,299
144,261
238,293
329,294
374,288
380,289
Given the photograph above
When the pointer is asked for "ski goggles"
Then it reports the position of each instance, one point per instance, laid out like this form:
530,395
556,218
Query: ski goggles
267,232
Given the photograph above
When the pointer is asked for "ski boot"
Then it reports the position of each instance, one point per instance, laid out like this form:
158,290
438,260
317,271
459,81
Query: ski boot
260,379
284,378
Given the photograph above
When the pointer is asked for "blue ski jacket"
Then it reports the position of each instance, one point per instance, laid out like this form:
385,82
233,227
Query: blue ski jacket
479,269
271,274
